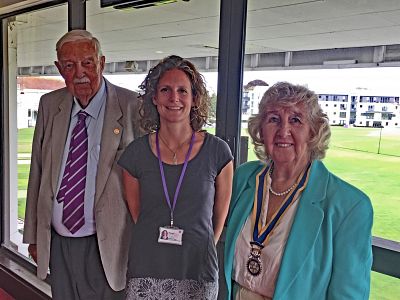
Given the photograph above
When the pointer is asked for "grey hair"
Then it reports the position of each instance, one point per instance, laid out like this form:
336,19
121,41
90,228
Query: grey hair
78,35
287,94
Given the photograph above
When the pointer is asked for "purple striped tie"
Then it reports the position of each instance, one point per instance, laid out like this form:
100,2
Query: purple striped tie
72,188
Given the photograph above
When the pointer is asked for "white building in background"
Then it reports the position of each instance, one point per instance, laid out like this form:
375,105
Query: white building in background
340,108
250,100
362,107
27,107
378,111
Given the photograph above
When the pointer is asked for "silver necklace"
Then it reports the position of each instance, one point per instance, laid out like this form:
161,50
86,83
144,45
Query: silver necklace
174,156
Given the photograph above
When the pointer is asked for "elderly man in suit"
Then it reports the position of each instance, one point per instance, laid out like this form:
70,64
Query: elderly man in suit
76,221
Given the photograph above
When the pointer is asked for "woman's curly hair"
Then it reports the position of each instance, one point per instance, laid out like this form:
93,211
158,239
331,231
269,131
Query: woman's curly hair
150,119
286,94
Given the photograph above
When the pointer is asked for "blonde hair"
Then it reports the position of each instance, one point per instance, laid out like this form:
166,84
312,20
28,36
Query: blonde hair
287,94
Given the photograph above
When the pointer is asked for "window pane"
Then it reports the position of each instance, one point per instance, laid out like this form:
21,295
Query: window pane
384,287
31,52
319,44
134,40
367,155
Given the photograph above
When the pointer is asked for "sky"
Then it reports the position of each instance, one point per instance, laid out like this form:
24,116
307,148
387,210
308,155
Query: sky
383,81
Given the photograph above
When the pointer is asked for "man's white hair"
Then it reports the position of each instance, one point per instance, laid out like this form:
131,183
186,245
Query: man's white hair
78,35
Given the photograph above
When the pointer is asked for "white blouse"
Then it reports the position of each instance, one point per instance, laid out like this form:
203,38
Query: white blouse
271,254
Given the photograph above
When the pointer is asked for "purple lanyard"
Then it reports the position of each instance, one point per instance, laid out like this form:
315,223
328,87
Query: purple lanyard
178,187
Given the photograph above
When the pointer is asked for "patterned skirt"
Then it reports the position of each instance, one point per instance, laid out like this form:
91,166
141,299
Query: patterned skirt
170,289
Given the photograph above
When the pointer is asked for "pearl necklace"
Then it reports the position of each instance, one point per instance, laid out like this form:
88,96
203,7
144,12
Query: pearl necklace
281,193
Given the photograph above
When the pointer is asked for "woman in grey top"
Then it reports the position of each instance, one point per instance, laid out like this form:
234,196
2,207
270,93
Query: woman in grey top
177,183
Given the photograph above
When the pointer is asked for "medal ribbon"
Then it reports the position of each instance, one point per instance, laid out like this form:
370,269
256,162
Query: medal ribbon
259,234
164,183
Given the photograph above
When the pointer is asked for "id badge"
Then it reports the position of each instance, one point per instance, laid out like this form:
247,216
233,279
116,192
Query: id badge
170,235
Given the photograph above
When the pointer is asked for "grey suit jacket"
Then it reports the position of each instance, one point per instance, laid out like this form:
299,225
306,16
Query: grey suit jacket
111,213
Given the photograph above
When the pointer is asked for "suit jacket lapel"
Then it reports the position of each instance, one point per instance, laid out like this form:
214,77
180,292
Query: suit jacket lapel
110,139
59,132
305,229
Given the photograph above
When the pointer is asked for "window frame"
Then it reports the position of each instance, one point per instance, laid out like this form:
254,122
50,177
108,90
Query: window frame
232,39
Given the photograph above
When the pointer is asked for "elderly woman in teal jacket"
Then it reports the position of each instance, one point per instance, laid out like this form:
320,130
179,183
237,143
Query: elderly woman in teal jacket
295,230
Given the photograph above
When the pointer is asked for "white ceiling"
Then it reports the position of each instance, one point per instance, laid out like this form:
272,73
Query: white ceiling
190,29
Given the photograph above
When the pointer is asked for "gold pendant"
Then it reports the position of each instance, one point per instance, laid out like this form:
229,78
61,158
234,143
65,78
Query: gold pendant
254,262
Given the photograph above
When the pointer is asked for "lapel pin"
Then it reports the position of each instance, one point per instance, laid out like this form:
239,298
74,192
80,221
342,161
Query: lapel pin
116,130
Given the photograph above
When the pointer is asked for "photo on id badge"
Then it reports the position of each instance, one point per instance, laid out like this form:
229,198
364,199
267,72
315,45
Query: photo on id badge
170,235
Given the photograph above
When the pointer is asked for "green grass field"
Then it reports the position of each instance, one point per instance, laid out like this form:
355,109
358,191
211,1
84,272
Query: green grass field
378,176
353,156
25,137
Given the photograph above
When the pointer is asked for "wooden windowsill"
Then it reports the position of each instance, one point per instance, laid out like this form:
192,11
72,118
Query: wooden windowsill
18,279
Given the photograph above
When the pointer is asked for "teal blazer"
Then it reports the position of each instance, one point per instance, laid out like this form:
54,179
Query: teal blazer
328,254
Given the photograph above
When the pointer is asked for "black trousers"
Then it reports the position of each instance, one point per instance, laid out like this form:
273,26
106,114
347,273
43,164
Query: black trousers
76,271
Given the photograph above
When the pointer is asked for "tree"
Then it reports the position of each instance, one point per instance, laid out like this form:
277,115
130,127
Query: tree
212,114
256,82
